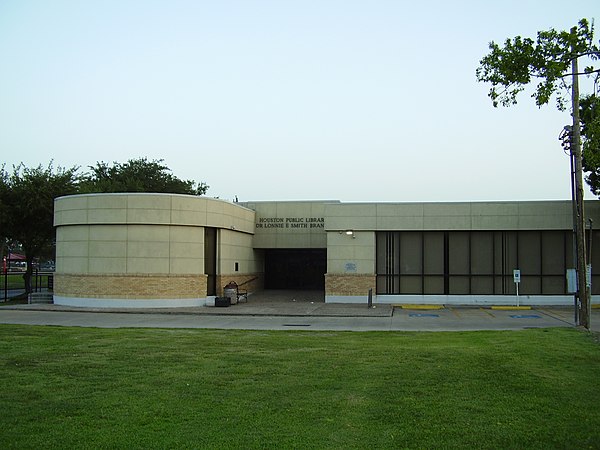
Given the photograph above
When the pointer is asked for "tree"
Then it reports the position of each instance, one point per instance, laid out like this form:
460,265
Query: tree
548,59
3,213
590,129
552,59
27,199
138,175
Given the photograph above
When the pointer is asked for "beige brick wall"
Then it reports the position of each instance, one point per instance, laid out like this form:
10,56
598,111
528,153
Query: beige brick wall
349,284
130,286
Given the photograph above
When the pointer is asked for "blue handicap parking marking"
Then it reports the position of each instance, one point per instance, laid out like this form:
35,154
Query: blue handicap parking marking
423,315
526,316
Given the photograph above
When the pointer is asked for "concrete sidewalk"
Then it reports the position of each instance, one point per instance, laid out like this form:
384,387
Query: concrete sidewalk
266,303
285,310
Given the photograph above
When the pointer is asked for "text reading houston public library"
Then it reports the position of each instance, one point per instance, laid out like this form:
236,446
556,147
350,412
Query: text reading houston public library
291,222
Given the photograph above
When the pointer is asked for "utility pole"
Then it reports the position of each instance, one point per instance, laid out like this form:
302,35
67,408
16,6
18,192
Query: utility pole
582,284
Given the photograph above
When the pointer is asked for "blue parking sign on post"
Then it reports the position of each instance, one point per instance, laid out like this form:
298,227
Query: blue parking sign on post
517,280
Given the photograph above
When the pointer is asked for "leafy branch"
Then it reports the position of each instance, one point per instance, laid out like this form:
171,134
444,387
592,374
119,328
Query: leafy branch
509,68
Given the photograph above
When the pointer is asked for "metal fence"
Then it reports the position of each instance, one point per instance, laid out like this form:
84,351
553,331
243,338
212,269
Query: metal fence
12,284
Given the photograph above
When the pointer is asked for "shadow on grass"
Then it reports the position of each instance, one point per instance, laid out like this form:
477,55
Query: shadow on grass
20,299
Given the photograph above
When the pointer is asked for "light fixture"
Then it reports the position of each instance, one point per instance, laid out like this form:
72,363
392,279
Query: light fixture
350,233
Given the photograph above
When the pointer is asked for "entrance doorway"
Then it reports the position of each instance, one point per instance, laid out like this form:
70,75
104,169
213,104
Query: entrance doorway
210,260
295,269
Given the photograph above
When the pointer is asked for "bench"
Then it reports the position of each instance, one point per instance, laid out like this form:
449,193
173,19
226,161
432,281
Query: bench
232,287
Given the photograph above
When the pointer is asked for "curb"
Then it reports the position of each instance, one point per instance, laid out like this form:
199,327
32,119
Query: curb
201,311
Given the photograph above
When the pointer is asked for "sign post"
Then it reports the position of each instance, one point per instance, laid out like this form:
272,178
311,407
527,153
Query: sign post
517,280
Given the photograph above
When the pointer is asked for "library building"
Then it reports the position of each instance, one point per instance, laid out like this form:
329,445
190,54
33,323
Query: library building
168,250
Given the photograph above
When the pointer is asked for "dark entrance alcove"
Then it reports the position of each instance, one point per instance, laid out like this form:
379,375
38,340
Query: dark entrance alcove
295,268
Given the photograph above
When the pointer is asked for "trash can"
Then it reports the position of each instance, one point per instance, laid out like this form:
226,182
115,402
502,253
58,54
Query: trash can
222,301
231,291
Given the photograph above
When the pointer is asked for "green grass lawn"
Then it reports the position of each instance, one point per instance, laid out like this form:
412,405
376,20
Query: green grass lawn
157,388
14,280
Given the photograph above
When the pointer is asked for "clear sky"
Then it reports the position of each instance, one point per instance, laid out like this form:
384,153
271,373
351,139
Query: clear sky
284,100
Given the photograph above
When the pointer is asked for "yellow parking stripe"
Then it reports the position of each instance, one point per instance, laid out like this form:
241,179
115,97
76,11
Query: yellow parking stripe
420,306
511,308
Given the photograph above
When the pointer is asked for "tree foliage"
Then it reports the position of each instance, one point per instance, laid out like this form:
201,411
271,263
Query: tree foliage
27,197
138,175
590,129
27,202
4,187
547,60
510,68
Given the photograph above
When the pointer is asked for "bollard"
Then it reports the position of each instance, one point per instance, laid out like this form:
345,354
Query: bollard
370,300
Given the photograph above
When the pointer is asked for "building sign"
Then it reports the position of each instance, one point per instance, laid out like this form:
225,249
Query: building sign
291,223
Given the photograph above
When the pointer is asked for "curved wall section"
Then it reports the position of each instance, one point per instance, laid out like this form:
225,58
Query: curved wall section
139,250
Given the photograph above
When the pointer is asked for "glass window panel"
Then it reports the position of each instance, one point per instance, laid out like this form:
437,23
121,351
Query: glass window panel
410,253
553,253
482,285
507,251
509,286
434,284
381,252
595,284
570,256
434,253
498,242
529,285
394,284
458,285
387,284
388,252
553,285
595,254
382,285
410,285
498,288
393,253
458,253
529,253
482,253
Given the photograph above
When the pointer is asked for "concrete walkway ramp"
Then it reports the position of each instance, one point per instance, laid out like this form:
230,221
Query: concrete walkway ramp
301,303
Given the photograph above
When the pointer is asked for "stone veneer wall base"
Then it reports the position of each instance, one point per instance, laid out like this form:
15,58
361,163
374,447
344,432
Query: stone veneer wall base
349,285
135,287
